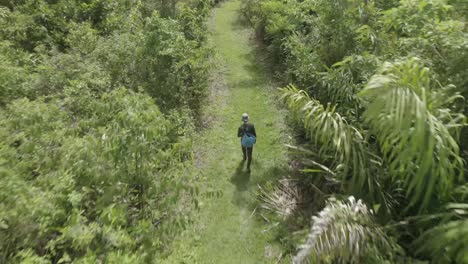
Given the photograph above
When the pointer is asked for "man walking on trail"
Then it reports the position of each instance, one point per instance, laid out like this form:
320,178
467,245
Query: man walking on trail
248,138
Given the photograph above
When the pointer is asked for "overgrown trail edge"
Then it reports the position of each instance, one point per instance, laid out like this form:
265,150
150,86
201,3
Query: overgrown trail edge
228,229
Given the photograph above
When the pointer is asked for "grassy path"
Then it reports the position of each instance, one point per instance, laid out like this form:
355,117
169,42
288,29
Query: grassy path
227,229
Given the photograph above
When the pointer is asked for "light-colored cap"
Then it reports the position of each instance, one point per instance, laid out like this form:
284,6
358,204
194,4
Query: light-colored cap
245,117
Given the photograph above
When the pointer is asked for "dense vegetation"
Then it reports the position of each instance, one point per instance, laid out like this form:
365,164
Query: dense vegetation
381,102
98,100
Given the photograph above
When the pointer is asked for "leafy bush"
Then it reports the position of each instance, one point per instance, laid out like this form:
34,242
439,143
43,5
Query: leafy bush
382,107
113,180
168,59
96,122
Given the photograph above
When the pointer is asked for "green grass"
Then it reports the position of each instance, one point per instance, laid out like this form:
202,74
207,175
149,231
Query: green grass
227,230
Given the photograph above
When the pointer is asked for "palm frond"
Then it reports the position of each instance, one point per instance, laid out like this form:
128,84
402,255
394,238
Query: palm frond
284,200
447,242
334,136
416,134
343,232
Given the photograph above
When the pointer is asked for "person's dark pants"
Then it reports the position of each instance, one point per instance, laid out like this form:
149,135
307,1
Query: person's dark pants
247,152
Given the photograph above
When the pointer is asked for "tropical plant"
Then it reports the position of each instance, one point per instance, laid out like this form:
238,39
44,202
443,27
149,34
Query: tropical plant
383,112
96,127
344,232
417,131
115,180
447,242
356,167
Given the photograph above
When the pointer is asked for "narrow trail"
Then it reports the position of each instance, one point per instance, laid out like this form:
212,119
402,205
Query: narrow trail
227,229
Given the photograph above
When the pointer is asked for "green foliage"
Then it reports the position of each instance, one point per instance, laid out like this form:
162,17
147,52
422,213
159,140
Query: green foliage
168,59
97,102
333,134
115,178
342,146
344,232
163,56
447,241
383,94
15,73
409,114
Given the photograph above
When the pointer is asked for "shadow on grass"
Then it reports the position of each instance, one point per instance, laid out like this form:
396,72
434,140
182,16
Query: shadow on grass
245,182
258,69
241,178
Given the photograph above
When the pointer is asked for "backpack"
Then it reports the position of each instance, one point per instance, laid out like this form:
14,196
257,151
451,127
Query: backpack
248,140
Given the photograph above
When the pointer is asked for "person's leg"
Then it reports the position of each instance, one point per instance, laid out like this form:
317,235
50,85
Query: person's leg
244,150
249,157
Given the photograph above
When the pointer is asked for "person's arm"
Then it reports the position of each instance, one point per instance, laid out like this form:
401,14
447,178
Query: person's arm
239,132
254,133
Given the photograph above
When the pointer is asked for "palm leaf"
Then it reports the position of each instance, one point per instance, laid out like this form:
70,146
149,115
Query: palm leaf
343,232
334,136
284,200
416,134
447,242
